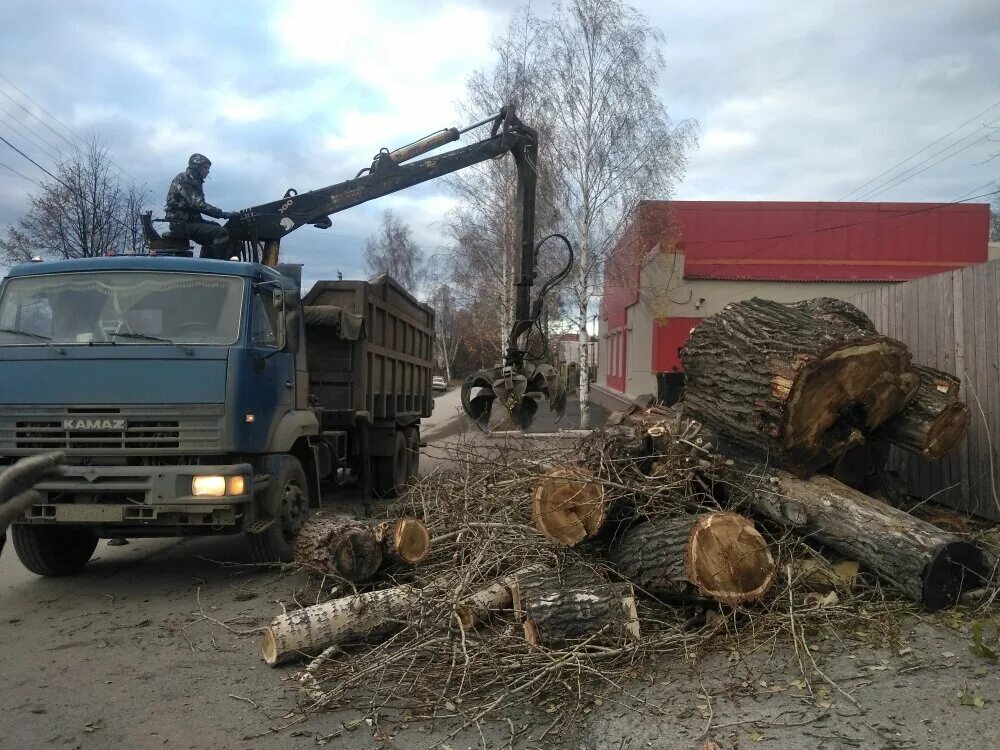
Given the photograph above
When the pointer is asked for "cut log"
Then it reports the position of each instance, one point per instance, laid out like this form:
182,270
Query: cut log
306,632
934,422
340,545
800,383
921,561
720,555
606,613
405,540
567,507
499,596
355,548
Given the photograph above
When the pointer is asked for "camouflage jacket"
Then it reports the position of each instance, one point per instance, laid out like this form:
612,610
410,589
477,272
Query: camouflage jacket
186,200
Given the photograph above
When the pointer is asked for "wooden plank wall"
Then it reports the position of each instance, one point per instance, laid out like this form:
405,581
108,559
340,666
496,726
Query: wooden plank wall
950,321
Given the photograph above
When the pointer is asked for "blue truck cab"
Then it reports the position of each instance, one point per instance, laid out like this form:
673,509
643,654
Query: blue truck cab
199,397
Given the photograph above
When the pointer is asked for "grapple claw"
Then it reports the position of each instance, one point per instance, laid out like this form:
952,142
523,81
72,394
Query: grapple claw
518,392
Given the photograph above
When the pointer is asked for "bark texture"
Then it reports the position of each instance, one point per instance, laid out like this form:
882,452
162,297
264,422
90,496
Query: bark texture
934,422
356,548
801,383
309,630
718,555
567,507
479,606
926,564
568,614
340,545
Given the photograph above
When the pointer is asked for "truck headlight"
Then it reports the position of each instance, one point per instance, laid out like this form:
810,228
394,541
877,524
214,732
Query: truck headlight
235,485
208,486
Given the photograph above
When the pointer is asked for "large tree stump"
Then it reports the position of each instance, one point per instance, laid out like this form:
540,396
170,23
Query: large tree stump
605,612
719,555
567,507
925,563
355,548
800,383
934,422
309,630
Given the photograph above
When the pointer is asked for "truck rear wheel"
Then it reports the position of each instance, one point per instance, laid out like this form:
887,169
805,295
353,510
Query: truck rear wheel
390,471
277,542
53,550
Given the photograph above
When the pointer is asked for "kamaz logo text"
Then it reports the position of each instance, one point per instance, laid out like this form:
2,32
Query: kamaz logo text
104,425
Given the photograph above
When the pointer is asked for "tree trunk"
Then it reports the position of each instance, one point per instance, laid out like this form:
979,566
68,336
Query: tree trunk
799,383
721,555
356,548
607,612
310,630
934,422
926,564
584,364
567,507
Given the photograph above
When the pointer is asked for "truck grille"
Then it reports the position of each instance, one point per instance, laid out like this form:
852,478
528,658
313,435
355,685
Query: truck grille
96,430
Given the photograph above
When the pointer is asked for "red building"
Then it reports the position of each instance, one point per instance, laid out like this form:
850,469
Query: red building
681,261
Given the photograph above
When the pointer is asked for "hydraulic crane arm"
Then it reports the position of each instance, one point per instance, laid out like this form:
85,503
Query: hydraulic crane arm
518,384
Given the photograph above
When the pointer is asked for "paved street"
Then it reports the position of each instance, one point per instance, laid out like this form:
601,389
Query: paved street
153,647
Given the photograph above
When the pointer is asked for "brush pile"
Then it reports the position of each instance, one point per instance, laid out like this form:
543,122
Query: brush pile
525,574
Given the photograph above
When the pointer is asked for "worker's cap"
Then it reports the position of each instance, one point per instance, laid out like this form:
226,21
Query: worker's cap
198,160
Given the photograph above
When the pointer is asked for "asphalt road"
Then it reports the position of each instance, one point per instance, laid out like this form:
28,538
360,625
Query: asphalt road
154,646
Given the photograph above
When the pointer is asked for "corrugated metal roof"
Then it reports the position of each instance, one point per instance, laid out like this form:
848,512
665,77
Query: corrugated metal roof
803,241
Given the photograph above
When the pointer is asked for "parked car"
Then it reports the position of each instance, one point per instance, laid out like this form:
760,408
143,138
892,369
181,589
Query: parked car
438,383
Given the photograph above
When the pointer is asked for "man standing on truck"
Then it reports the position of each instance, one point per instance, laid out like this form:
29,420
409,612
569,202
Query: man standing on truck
186,204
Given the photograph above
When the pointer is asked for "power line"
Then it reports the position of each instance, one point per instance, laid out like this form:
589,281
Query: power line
54,155
910,174
45,111
929,145
35,163
23,176
32,114
59,122
11,116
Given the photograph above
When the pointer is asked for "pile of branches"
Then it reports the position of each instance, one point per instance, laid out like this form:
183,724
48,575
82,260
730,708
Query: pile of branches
553,574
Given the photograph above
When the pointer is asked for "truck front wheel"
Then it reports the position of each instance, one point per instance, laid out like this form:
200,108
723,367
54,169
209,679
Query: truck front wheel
277,542
53,550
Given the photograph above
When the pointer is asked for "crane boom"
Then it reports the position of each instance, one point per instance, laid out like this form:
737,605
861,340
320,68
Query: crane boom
517,383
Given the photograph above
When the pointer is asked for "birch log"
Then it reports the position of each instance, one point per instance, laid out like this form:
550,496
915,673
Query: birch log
307,631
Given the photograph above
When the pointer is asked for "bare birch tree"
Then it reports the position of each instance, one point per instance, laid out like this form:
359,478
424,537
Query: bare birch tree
447,333
611,137
484,227
87,211
391,250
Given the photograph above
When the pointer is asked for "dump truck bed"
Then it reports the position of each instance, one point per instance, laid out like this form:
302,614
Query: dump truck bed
369,347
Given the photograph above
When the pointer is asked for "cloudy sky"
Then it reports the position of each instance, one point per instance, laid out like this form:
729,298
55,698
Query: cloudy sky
795,100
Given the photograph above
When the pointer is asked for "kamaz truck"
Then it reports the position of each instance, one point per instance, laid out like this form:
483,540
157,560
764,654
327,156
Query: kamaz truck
198,397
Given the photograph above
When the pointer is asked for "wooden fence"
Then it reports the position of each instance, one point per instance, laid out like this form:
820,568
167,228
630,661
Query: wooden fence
950,321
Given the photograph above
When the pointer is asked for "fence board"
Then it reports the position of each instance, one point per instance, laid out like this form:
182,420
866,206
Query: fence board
951,321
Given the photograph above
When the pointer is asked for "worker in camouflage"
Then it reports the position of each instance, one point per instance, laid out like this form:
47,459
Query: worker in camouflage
186,204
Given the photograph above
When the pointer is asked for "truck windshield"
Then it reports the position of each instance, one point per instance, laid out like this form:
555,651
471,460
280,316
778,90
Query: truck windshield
121,307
